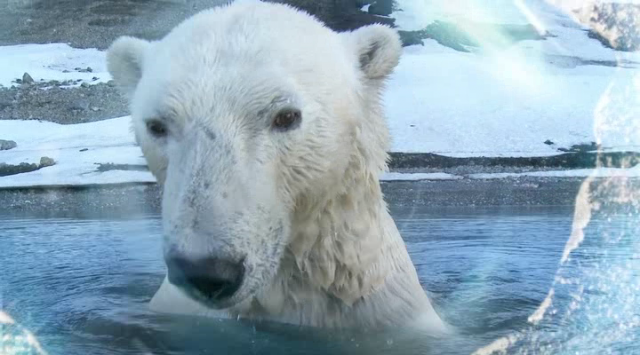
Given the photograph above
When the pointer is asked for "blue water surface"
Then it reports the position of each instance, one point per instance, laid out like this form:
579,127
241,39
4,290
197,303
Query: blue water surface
82,285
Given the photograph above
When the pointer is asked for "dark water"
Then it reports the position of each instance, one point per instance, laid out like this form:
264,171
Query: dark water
81,286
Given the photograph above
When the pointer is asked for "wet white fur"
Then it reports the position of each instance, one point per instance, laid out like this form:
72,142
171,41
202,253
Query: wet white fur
303,207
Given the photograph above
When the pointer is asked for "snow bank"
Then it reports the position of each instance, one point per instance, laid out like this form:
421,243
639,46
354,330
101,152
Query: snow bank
502,101
493,101
109,141
79,149
56,61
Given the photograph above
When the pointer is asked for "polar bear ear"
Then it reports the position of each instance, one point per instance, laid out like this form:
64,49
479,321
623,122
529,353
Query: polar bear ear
378,48
124,62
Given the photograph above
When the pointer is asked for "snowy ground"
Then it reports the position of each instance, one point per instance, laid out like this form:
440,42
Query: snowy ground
498,101
493,101
56,61
77,150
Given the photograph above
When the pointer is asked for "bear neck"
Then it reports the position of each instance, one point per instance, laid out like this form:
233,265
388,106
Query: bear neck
347,246
346,263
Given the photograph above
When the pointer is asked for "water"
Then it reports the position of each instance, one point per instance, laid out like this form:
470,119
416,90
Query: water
82,285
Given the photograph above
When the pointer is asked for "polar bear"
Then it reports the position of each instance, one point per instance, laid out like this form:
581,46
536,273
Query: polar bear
266,131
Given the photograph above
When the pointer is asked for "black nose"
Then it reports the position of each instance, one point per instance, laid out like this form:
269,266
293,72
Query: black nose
215,279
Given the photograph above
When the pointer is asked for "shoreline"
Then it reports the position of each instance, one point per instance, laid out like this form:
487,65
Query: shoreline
131,200
50,101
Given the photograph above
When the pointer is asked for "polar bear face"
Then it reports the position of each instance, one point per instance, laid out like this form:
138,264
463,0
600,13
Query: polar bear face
245,113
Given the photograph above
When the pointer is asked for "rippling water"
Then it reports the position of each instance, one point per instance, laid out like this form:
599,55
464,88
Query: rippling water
81,286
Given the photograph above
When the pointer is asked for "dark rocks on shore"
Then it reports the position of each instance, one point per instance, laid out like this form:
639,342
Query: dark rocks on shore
65,105
456,35
7,144
27,79
381,7
582,148
123,167
615,25
578,158
79,105
46,161
128,200
83,70
345,15
14,169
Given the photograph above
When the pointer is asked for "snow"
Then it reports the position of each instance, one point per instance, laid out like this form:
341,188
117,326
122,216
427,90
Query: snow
503,101
109,141
49,61
493,101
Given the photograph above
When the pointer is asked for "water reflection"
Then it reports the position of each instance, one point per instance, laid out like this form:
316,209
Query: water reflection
82,286
594,297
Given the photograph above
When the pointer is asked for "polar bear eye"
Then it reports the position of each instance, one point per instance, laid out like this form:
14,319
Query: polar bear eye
287,119
157,128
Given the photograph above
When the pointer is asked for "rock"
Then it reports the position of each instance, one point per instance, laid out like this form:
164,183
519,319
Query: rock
94,78
84,149
548,142
340,15
381,7
6,144
46,161
455,35
412,38
79,106
89,70
27,79
582,148
84,85
12,169
614,24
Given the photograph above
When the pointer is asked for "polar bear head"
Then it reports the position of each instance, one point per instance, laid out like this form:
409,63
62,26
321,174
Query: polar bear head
252,117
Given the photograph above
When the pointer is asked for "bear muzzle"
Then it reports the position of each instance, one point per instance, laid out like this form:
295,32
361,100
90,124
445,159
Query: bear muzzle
212,281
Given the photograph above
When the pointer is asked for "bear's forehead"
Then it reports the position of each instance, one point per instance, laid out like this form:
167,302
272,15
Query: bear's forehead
251,28
241,59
